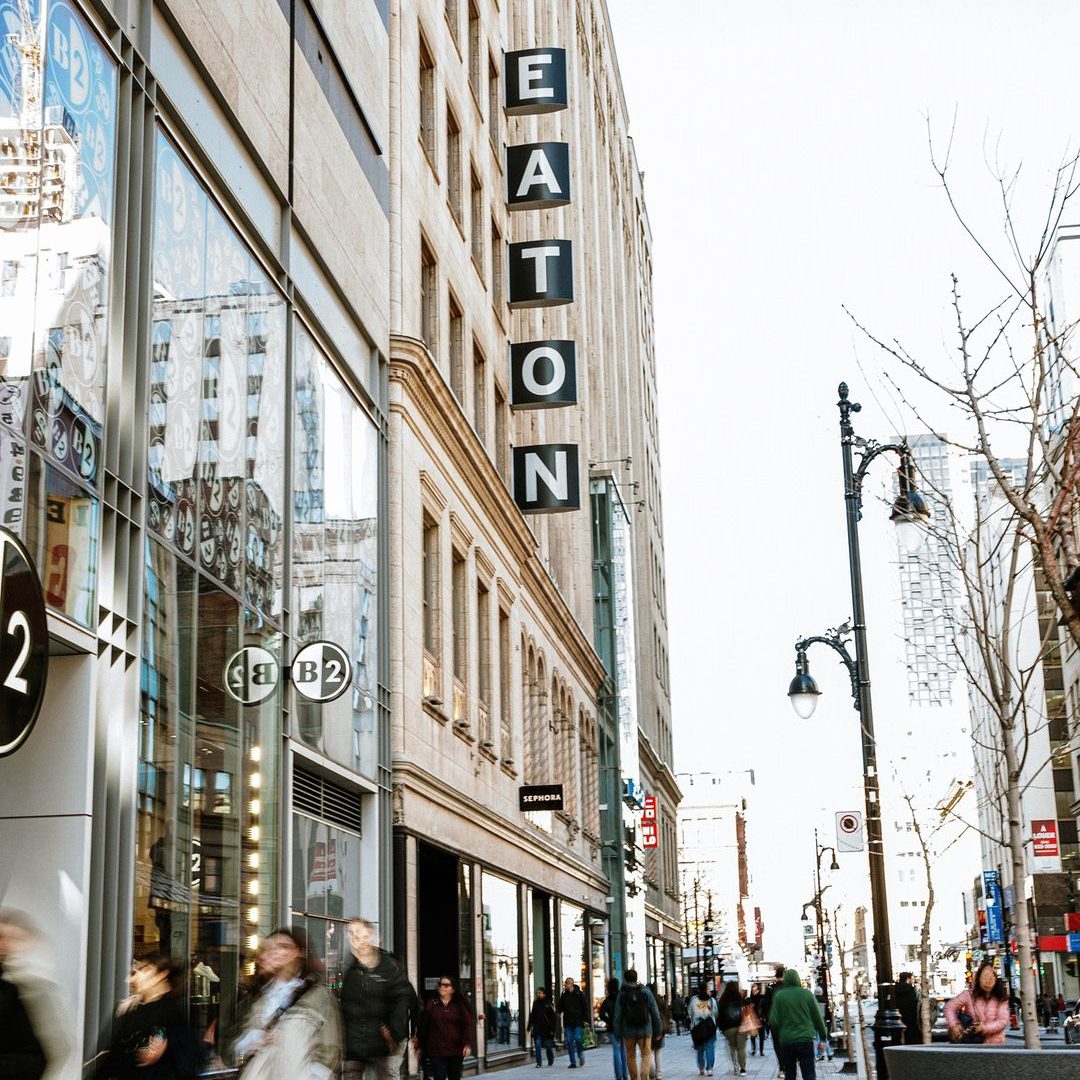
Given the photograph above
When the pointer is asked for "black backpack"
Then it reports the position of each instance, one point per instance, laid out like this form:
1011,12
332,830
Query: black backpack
731,1014
635,1007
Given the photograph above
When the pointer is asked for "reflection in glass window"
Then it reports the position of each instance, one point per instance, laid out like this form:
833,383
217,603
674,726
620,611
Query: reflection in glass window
572,943
335,549
217,394
58,93
502,1006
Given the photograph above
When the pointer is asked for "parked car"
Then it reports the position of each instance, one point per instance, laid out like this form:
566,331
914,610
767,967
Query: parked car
1072,1022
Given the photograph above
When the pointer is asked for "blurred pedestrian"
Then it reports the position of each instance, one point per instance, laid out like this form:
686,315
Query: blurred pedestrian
756,1001
980,1014
574,1011
606,1015
542,1024
797,1024
291,1026
730,1007
678,1012
657,1072
766,1007
375,999
34,1040
703,1028
149,1036
907,1004
637,1020
504,1021
446,1031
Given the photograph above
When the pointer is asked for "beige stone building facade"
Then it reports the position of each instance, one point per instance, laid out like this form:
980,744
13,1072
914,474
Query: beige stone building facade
523,653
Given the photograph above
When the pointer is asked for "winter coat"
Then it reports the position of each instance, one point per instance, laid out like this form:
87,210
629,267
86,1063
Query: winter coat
795,1016
133,1027
606,1013
446,1029
625,1030
989,1011
542,1019
770,992
572,1008
22,1057
304,1041
33,1025
370,998
907,1004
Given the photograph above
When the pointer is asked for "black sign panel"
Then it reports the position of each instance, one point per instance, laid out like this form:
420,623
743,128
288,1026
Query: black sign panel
541,273
543,374
537,176
540,797
535,81
24,643
546,478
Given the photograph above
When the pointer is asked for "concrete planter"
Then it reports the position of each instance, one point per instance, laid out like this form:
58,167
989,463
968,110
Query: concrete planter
981,1063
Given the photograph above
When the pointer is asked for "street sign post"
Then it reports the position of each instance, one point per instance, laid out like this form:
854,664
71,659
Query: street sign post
24,643
321,672
849,830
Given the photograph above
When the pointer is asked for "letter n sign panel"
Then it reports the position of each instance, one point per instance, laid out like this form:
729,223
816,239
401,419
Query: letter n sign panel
537,176
543,374
541,273
535,81
546,478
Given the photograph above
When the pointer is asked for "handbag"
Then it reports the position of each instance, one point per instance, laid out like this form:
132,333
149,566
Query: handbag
703,1031
588,1037
967,1021
750,1022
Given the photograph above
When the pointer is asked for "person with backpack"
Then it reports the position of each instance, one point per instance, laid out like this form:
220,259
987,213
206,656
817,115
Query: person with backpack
731,1018
606,1015
637,1022
702,1010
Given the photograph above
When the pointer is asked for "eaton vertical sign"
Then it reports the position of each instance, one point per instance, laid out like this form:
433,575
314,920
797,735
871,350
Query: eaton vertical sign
995,907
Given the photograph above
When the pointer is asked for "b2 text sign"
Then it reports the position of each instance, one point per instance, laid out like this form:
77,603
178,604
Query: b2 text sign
252,675
540,797
24,643
321,671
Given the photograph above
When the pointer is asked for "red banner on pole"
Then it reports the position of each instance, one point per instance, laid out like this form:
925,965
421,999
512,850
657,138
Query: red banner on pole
1044,839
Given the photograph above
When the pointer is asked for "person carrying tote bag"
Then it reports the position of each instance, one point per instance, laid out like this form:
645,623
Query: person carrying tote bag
702,1010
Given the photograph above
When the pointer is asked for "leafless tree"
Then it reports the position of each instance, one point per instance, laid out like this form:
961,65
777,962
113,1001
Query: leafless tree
845,975
925,1021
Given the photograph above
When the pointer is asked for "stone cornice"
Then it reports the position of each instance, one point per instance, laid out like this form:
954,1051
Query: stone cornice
413,369
663,775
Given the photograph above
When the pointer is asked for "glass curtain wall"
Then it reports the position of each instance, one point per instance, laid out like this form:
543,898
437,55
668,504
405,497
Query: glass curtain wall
572,944
502,968
58,103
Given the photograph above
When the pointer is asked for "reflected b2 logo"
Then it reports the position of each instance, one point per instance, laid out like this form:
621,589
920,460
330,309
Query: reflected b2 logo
251,675
321,671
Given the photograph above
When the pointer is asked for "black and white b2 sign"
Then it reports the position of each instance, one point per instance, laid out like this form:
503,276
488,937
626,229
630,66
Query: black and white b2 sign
321,671
251,675
24,643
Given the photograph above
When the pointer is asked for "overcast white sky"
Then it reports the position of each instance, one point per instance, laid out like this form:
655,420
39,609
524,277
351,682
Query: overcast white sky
784,147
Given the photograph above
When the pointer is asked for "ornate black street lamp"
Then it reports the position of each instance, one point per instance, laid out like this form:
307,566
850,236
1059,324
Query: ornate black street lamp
909,514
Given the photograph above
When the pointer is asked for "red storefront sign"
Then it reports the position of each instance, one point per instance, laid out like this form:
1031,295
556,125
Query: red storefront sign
1044,838
1053,943
1072,921
650,836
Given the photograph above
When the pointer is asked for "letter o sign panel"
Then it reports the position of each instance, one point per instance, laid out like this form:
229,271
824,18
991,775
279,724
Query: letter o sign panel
24,643
321,671
251,675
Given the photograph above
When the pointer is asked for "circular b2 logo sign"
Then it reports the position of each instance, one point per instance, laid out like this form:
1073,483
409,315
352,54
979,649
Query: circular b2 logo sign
251,675
24,643
321,671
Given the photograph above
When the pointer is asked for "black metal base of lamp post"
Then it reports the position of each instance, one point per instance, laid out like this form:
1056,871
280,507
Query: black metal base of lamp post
888,1027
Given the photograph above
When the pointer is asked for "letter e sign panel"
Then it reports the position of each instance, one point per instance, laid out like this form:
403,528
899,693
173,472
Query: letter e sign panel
543,374
535,81
546,478
24,643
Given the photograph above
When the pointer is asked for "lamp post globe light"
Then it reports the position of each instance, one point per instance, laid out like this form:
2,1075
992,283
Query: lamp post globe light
909,515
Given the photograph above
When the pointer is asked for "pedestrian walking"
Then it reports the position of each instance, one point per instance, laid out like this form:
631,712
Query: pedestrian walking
703,1028
657,1072
756,1001
291,1026
606,1015
574,1011
375,999
678,1013
446,1031
796,1024
907,1004
730,1008
637,1020
148,1036
33,1032
749,1027
770,992
981,1014
542,1025
504,1021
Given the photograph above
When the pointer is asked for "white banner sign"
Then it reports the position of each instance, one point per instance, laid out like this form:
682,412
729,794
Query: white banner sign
849,830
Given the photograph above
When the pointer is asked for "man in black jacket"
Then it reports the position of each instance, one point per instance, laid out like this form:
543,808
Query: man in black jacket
907,1004
574,1012
375,1001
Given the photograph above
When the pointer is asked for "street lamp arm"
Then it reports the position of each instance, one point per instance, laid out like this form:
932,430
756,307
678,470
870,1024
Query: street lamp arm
836,639
870,450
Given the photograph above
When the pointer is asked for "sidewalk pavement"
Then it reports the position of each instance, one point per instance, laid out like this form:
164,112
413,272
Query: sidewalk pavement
677,1062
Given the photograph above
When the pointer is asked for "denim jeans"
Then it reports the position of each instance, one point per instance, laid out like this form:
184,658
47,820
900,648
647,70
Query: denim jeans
541,1043
618,1056
706,1054
801,1053
573,1045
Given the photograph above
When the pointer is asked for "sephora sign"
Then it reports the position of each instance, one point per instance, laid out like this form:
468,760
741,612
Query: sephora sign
543,374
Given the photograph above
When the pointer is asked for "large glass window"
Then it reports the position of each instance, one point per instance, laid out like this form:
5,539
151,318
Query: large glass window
572,944
58,93
335,550
502,968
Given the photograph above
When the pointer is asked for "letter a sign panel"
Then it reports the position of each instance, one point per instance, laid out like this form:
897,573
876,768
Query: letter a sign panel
24,643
